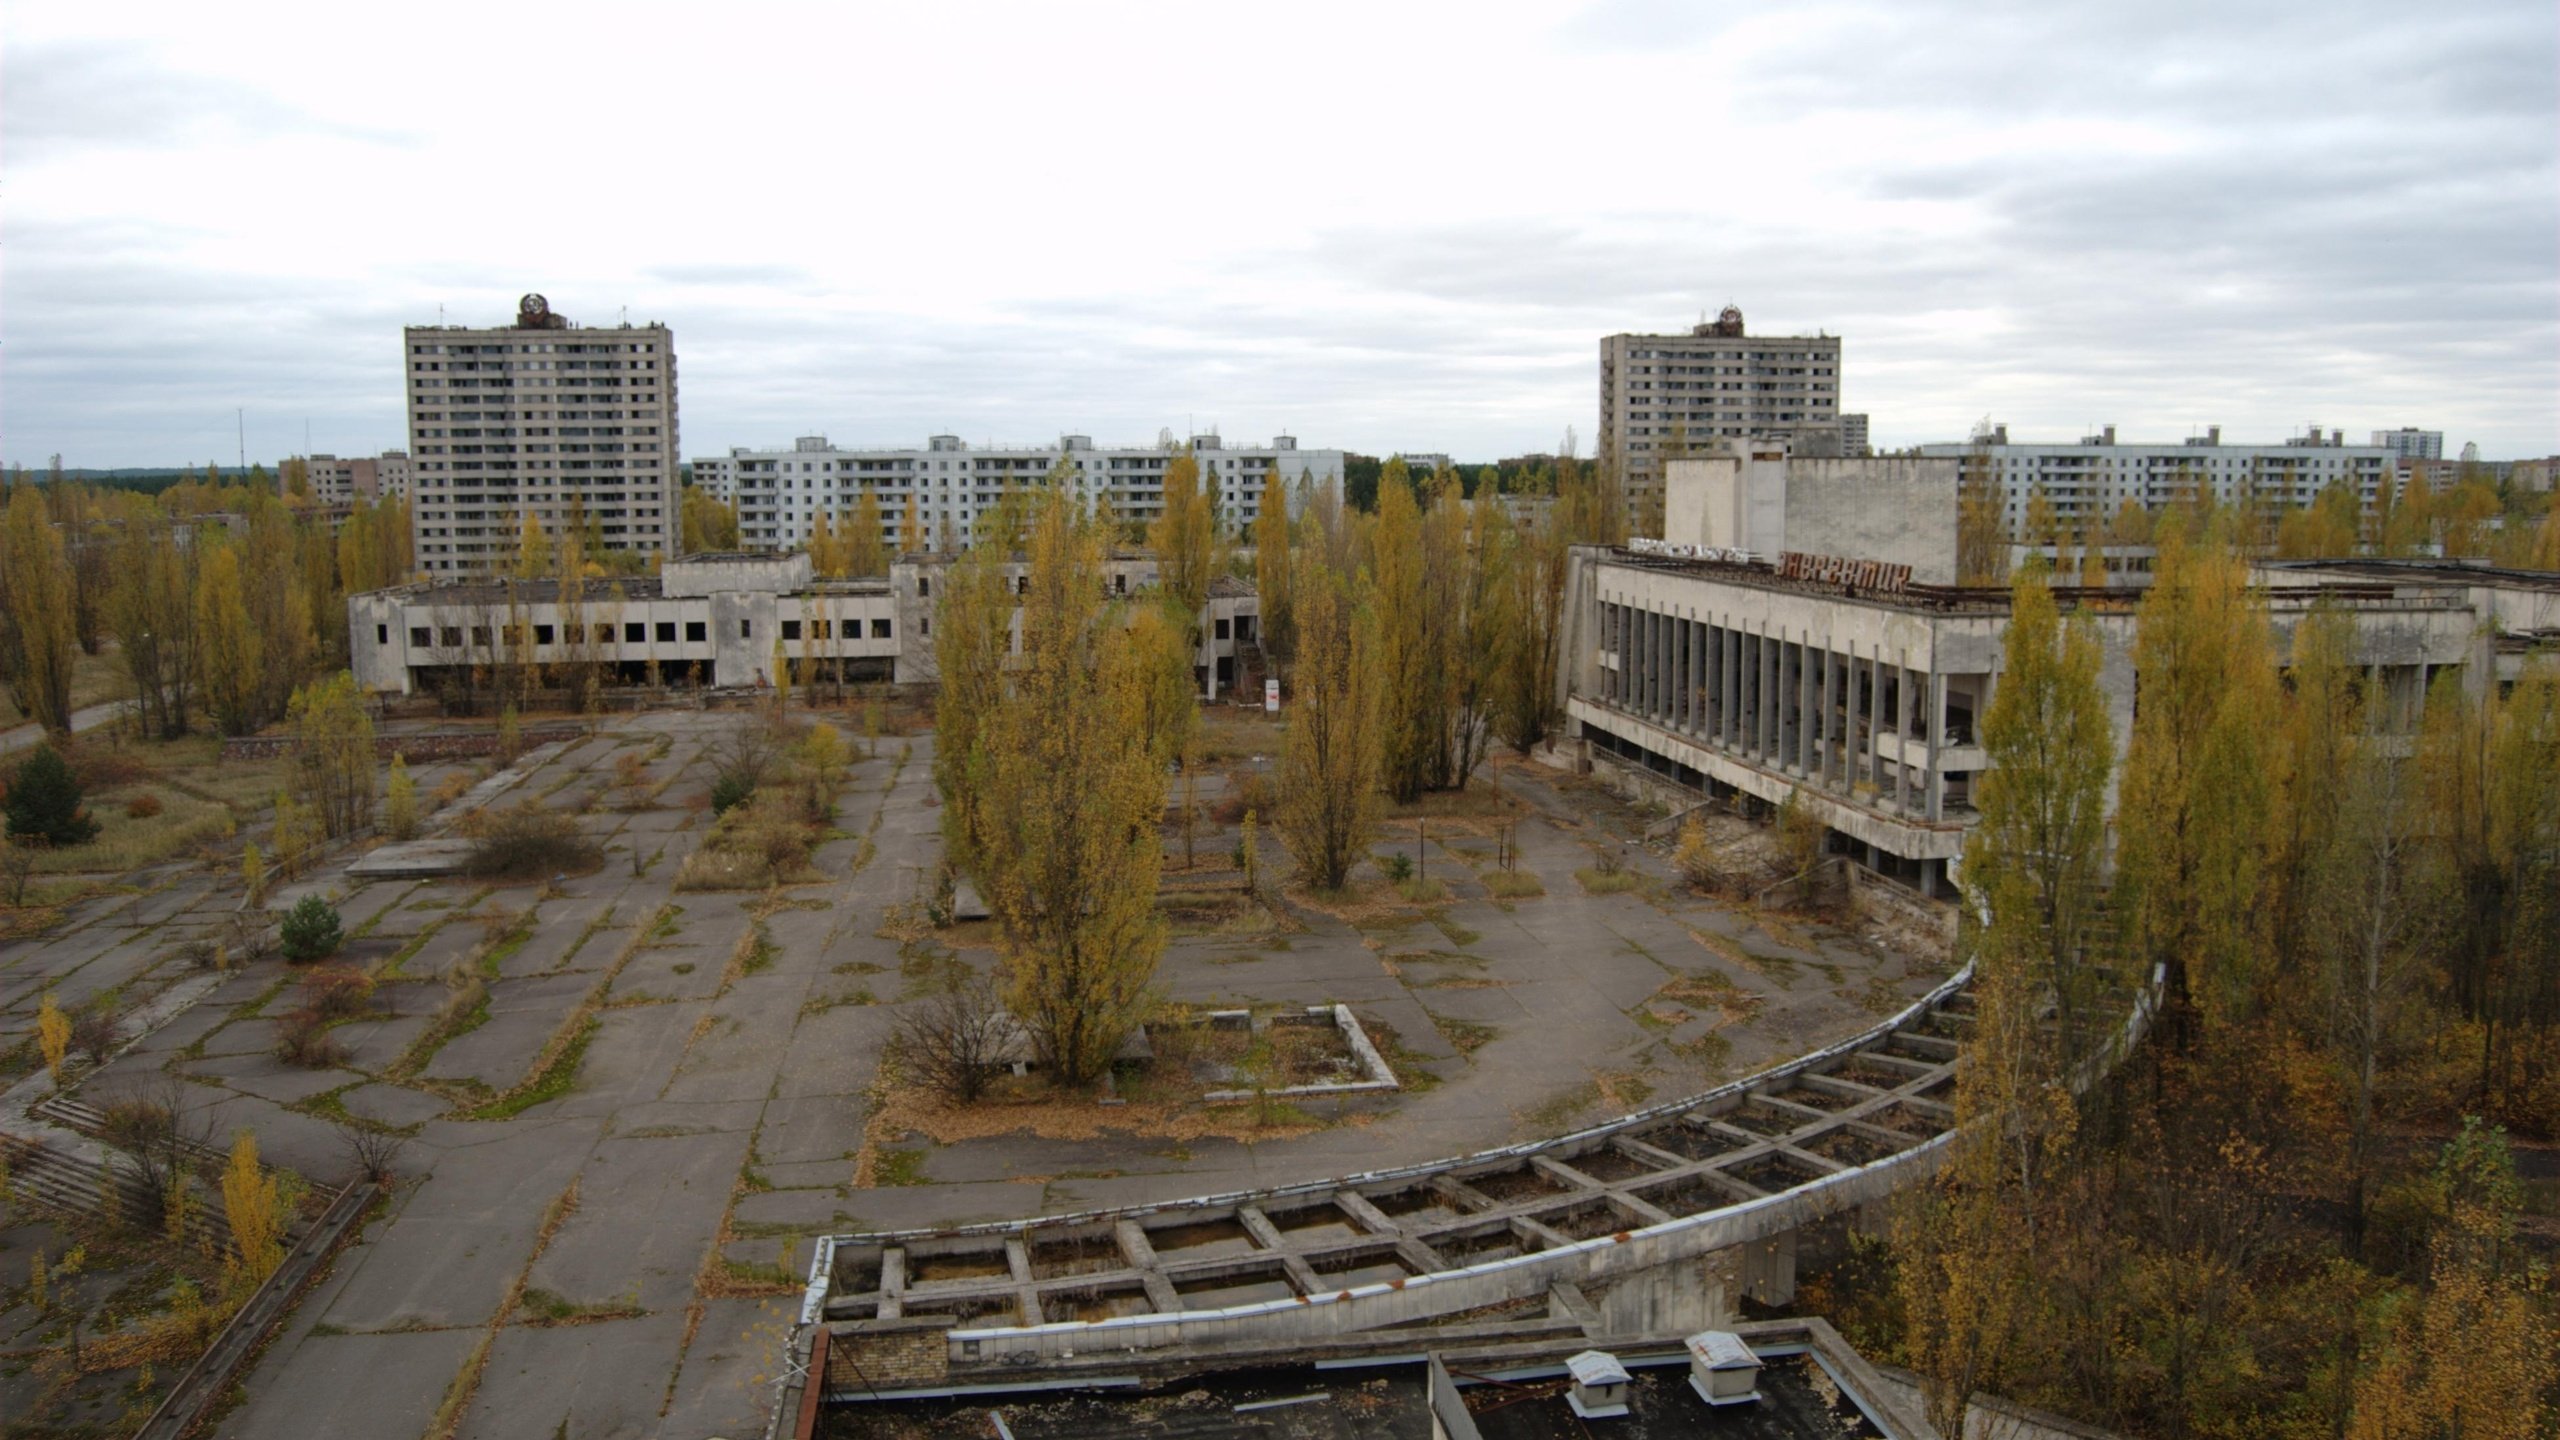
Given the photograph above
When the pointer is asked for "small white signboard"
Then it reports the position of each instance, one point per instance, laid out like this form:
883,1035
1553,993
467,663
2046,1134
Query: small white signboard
1270,697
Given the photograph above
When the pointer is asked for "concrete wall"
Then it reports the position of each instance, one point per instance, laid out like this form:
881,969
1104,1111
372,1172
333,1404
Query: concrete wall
710,574
1767,500
1899,509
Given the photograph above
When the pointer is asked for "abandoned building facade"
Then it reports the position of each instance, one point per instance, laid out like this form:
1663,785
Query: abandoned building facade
1787,640
717,620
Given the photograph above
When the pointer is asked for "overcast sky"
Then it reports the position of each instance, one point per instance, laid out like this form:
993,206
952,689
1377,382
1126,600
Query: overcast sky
1375,225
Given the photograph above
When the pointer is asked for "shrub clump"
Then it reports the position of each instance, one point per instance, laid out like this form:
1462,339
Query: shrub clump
44,802
311,931
303,1039
527,842
144,806
761,843
337,992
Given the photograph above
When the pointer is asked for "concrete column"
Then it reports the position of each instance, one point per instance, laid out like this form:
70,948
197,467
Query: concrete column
1808,720
1666,694
1822,724
1608,640
1769,1269
1764,697
1875,726
1937,713
1697,677
1666,628
1693,691
1638,661
1729,703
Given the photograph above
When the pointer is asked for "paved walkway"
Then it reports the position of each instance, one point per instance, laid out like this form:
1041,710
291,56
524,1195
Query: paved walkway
710,1127
87,718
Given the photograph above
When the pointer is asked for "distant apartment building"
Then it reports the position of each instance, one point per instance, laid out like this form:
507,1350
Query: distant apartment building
1853,436
1661,395
2411,444
336,481
531,418
781,493
2091,480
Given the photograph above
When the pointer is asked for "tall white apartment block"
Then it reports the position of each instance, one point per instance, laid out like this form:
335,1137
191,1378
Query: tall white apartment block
2090,481
781,493
1853,434
2410,443
1664,393
530,417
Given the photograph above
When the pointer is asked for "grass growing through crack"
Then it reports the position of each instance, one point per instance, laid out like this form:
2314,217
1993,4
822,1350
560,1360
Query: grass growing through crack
899,1167
551,1083
541,1307
466,1381
1464,1036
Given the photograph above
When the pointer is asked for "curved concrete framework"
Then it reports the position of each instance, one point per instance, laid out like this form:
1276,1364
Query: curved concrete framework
1750,1161
1469,1246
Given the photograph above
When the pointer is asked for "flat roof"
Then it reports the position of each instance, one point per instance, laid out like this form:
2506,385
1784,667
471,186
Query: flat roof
1269,1403
1799,1400
1389,1400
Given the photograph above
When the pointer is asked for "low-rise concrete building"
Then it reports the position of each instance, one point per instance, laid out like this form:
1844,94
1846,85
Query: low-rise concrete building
717,620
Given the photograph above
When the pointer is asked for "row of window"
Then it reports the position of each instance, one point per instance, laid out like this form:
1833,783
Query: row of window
540,347
634,632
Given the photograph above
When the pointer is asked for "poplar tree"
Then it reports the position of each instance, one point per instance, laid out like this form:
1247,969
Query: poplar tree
2194,802
2038,855
333,753
1525,682
1446,592
1329,757
229,650
1070,853
910,528
1408,686
1185,535
1272,573
827,552
972,639
1167,695
41,644
867,549
1483,633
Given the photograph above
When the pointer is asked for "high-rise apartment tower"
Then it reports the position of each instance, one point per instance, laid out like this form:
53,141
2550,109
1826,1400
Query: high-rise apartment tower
540,417
1663,394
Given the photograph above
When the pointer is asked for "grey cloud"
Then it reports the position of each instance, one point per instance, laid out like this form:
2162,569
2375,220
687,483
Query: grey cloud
753,275
63,96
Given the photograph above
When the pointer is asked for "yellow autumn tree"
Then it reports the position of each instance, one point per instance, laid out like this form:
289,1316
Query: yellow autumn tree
230,653
253,1202
1329,756
1272,572
2192,813
39,642
1184,536
866,549
1069,854
1409,681
53,1033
